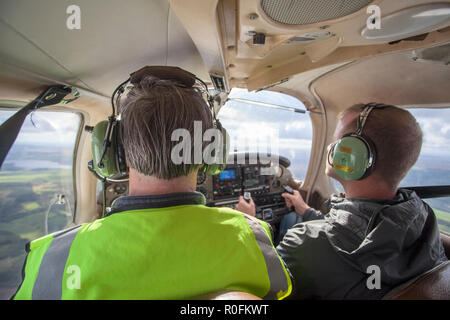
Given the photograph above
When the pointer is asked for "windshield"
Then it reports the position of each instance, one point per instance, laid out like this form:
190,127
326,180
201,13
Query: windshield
256,128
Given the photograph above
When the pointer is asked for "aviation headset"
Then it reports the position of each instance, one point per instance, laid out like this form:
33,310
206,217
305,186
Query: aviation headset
108,163
353,156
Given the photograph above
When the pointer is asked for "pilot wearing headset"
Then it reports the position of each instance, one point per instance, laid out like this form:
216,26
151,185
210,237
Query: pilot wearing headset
160,241
377,236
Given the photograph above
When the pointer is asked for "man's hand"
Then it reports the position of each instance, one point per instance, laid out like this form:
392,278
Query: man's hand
295,200
246,207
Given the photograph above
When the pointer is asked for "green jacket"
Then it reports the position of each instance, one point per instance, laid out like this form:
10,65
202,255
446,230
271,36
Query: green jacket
156,247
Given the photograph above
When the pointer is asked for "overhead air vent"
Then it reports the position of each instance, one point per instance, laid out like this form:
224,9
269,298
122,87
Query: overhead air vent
300,12
309,37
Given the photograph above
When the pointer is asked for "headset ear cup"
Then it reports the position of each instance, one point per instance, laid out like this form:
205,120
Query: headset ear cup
351,157
355,154
107,164
113,162
221,158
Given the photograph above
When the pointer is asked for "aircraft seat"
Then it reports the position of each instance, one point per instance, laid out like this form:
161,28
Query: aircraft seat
446,242
431,285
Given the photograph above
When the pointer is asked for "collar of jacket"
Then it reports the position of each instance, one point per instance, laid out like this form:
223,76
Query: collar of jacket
360,215
126,203
368,206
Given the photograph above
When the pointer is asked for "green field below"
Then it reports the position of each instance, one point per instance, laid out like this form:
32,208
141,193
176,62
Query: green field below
30,176
25,197
443,220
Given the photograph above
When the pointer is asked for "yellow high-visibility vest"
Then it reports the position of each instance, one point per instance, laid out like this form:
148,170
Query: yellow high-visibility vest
176,252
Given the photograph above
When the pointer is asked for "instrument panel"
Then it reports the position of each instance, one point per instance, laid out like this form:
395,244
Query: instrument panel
263,182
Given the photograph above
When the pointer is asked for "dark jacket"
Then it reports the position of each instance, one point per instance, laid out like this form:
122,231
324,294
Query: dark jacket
329,256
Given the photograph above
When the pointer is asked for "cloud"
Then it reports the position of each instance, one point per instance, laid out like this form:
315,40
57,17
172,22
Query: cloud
435,124
295,125
42,127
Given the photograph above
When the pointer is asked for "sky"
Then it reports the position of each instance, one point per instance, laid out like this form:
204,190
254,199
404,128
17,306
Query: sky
435,124
45,127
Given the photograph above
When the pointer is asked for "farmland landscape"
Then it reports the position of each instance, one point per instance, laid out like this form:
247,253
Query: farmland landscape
28,191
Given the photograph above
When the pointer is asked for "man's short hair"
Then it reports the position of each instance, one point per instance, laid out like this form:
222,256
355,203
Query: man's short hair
151,112
397,137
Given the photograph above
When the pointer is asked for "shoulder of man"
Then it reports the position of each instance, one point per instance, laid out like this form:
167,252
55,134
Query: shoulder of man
250,220
279,276
309,233
52,244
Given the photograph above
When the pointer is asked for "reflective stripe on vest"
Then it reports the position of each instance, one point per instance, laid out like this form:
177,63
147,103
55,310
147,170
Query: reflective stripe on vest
277,275
48,284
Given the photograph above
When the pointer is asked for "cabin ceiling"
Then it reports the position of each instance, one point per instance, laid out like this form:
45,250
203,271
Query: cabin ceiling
201,36
412,82
336,25
116,38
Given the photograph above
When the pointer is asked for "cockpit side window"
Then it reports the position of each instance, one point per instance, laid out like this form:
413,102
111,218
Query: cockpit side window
36,187
433,166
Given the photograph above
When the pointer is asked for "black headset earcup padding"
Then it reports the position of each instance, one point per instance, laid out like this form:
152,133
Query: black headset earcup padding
120,152
112,164
216,168
372,153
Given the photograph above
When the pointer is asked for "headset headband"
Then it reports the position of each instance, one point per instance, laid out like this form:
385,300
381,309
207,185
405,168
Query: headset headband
178,76
182,77
362,118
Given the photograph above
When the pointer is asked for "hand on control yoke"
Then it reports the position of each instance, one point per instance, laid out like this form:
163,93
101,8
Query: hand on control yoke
246,205
295,200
